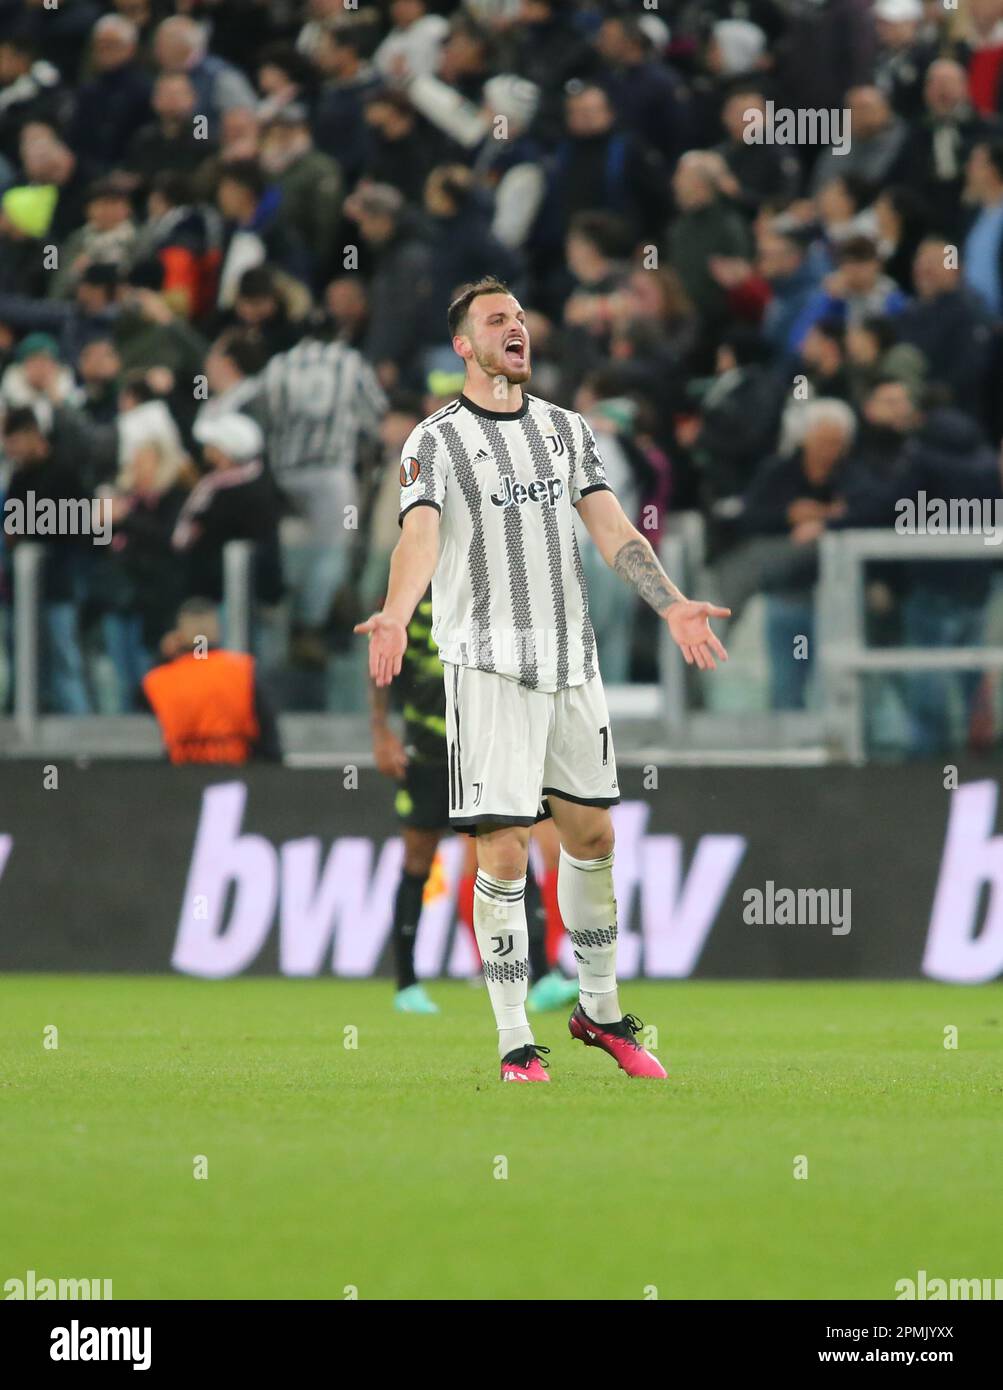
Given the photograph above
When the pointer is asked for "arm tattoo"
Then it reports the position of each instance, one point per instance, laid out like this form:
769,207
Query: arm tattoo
636,564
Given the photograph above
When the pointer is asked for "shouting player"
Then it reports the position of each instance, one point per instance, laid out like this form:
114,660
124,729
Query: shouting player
488,484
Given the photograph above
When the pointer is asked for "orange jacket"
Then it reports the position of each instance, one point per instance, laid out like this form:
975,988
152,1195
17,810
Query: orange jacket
205,707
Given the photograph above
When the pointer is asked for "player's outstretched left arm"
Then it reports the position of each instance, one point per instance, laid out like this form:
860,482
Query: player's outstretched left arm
627,552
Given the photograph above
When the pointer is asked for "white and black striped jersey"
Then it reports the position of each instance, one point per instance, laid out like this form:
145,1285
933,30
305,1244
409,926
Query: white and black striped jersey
508,594
321,403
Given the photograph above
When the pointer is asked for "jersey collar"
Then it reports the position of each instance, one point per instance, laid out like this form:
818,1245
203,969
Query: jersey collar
497,414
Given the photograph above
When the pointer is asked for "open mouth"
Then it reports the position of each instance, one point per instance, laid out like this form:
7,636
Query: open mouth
515,352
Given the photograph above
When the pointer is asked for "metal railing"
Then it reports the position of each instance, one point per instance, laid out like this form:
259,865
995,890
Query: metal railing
27,636
668,718
845,656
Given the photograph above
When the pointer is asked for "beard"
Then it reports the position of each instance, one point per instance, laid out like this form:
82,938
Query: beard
495,366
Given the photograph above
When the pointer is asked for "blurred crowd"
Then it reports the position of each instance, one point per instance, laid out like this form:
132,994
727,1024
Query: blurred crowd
230,229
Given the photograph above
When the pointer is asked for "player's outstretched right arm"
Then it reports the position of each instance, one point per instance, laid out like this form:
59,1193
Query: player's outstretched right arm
412,565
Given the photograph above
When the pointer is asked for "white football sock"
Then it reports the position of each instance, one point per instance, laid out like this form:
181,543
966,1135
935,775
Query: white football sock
503,941
588,906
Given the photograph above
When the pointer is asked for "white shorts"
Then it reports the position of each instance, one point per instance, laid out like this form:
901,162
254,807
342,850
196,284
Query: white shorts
510,747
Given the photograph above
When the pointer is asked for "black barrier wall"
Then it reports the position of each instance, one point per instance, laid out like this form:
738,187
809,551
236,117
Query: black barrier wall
878,872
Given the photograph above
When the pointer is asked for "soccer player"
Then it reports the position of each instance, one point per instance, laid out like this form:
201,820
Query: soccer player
488,484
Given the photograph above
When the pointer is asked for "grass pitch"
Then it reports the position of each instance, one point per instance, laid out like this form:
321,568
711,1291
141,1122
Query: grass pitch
374,1168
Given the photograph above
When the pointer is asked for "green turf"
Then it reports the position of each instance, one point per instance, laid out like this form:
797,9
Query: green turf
375,1167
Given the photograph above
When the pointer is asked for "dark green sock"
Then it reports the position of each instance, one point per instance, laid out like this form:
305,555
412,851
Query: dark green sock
536,924
407,910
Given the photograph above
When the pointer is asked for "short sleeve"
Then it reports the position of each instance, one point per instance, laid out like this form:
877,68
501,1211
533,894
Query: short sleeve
423,473
588,473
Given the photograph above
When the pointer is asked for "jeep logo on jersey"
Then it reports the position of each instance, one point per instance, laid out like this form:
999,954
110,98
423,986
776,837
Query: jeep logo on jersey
410,468
515,494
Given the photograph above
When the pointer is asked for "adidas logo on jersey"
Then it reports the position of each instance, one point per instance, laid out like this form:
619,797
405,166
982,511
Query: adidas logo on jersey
515,494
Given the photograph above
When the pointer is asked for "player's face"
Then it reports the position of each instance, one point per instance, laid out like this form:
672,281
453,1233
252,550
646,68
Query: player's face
499,338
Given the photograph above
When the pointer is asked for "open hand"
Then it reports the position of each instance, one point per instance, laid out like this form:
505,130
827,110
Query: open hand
690,629
387,643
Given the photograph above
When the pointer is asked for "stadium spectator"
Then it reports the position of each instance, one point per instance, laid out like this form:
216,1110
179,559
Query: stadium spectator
170,141
789,504
856,289
903,54
945,601
239,142
48,161
36,378
234,500
255,229
106,237
948,324
759,173
983,248
939,144
116,101
30,90
903,219
99,370
400,150
414,43
874,352
45,470
147,331
272,304
185,237
705,227
401,282
462,247
543,44
284,78
878,137
596,165
311,186
348,81
346,302
648,98
232,366
180,47
136,584
513,166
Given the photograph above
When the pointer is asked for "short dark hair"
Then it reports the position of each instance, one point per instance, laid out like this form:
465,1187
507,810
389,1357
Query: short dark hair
858,249
882,328
608,233
465,296
246,172
832,328
135,383
258,282
245,349
174,186
861,191
21,418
